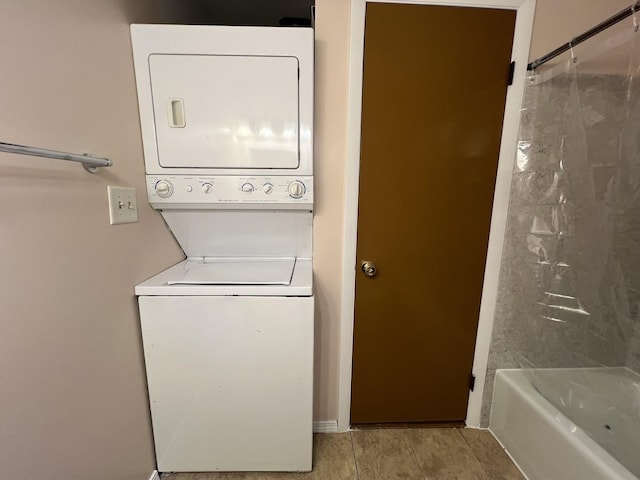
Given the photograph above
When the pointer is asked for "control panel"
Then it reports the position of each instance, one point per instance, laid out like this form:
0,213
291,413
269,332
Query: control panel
180,191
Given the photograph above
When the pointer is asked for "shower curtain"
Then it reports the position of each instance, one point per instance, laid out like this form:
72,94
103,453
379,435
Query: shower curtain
569,292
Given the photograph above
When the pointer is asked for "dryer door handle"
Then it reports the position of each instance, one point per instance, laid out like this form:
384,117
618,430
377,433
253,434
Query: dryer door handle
175,113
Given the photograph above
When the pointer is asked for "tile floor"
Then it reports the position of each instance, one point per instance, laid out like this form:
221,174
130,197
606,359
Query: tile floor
393,454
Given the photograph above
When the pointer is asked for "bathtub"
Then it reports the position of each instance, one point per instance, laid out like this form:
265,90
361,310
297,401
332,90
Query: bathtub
585,425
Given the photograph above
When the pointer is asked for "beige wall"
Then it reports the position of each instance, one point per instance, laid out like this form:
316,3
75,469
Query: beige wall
558,21
73,401
332,57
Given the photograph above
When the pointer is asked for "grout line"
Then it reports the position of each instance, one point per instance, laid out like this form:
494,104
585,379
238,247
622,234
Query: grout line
464,439
473,452
355,459
415,457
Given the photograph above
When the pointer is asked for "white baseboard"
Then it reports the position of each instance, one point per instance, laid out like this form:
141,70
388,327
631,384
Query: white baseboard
155,475
325,426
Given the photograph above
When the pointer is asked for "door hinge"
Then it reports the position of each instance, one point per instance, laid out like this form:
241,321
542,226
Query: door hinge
472,381
512,69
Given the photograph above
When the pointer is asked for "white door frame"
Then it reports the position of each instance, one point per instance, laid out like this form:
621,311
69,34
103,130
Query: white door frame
520,53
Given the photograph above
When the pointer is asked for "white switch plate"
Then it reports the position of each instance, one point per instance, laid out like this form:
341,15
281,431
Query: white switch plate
123,207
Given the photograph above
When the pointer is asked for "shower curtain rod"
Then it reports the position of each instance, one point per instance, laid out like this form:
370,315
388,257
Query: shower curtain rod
609,22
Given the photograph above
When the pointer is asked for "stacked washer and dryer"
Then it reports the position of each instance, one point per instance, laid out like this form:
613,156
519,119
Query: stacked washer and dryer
227,127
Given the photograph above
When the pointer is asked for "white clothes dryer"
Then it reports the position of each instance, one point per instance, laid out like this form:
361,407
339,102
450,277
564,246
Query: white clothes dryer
226,116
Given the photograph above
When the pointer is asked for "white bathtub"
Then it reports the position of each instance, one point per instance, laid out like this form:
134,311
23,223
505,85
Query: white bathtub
589,416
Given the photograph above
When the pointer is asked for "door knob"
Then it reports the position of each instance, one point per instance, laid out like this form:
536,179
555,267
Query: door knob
368,268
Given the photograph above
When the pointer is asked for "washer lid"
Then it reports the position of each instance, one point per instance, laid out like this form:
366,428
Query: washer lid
236,271
301,284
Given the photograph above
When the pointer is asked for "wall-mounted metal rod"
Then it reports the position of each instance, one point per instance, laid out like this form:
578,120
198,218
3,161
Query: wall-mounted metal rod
89,162
609,22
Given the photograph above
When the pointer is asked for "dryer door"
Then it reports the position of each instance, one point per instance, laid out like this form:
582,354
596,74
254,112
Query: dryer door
226,111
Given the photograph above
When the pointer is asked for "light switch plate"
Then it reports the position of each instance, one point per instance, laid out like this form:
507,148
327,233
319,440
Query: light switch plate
123,207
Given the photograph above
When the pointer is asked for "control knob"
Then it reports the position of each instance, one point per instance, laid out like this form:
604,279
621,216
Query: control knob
267,188
207,187
247,187
164,188
296,189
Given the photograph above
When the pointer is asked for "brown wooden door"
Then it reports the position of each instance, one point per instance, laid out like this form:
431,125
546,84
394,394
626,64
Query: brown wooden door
434,89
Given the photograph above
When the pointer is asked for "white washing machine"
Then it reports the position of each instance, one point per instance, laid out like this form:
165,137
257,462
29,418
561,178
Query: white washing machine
227,122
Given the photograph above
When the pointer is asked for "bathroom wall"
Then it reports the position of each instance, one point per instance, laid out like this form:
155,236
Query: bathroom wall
332,57
73,401
557,21
569,293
